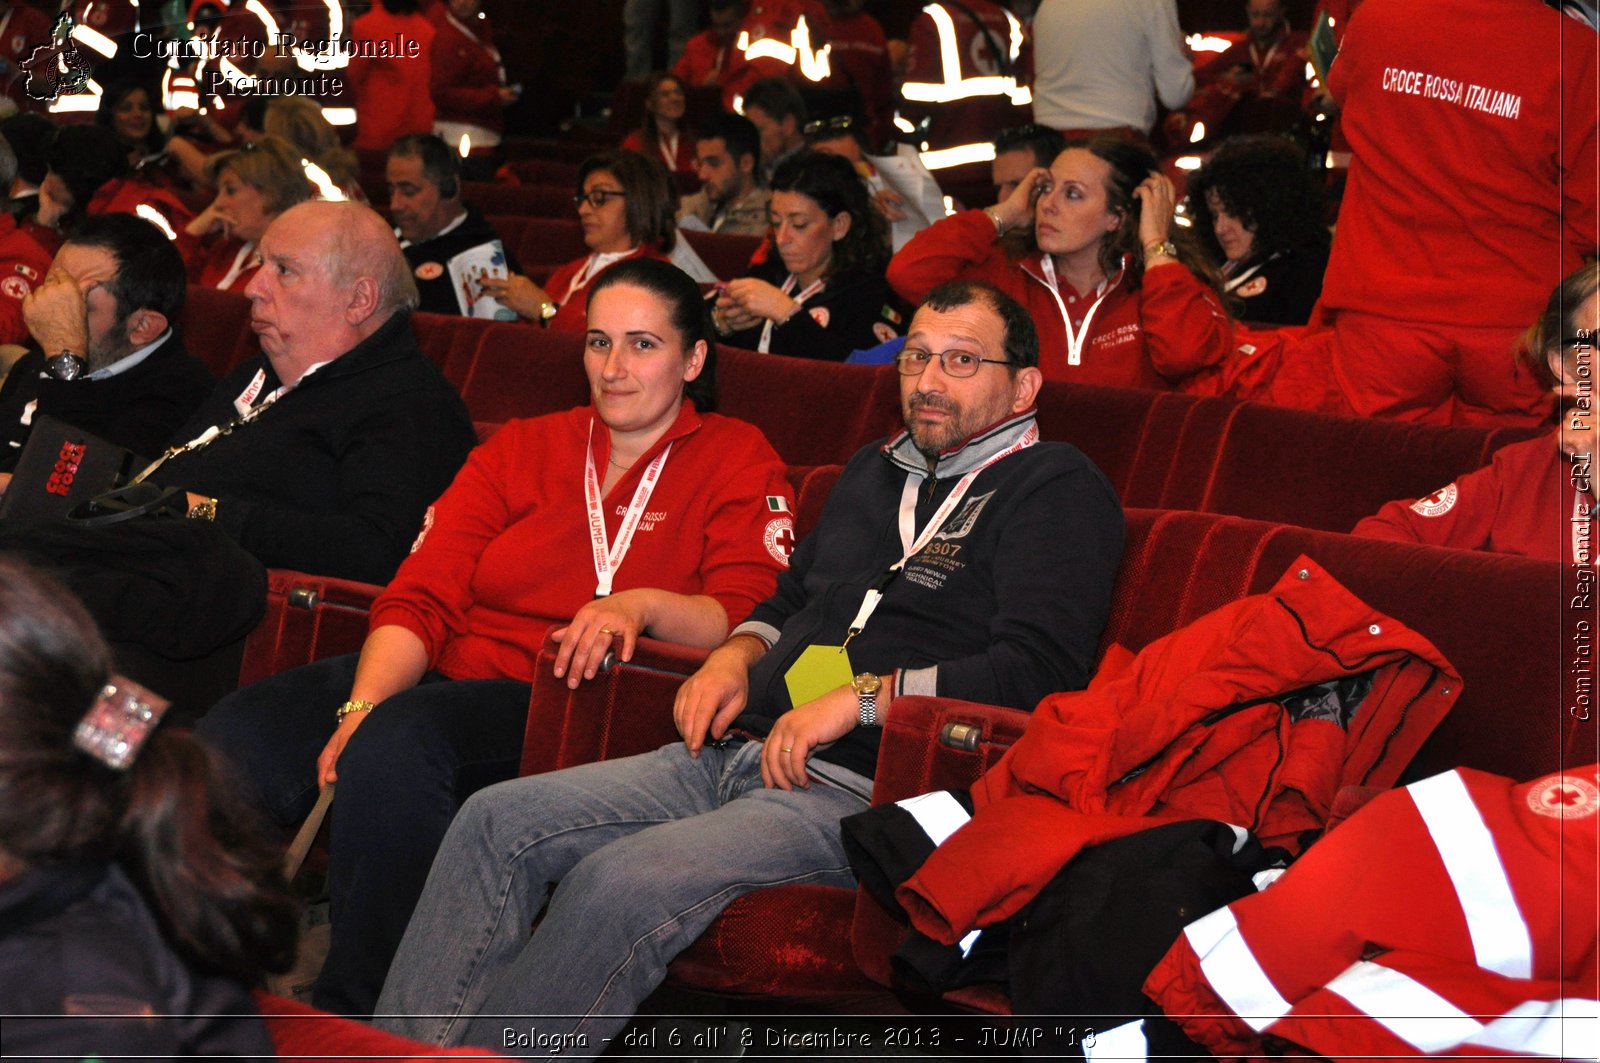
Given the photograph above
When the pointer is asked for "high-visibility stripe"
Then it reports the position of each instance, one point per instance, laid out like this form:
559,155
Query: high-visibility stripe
1405,1007
1563,1029
1233,970
1120,1042
954,86
813,65
943,158
970,940
1500,938
938,814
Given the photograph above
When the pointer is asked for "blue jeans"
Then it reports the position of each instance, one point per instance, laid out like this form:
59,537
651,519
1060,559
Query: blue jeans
401,778
642,854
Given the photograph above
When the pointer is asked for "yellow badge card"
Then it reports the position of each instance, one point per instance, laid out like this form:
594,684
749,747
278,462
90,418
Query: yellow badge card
816,671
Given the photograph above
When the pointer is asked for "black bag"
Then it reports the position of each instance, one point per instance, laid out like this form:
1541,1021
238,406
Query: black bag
60,468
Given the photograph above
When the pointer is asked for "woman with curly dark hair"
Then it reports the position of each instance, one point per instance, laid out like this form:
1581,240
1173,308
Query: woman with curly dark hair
137,902
822,294
1260,214
1088,246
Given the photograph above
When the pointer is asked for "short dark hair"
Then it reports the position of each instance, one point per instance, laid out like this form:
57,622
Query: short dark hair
1021,339
150,273
86,157
689,314
734,130
777,98
440,165
1263,181
839,127
651,201
1042,142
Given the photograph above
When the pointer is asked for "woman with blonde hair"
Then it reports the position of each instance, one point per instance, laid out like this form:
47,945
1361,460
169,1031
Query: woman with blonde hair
254,185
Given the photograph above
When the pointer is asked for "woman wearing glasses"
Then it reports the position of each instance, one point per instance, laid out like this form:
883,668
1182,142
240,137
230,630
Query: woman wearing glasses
626,203
822,294
636,515
1088,246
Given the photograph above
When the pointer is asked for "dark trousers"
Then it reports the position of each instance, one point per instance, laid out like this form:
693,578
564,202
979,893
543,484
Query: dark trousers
402,777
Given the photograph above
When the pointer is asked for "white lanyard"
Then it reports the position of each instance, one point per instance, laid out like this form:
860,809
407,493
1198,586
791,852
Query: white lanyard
669,150
214,432
239,262
1263,63
592,268
908,525
765,343
607,559
1075,339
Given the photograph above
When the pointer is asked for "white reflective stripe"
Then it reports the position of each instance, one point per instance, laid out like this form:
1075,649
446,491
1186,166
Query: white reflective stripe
954,86
1500,939
1120,1042
944,158
1233,970
1016,34
340,115
938,814
967,942
814,65
1405,1007
1568,1028
93,38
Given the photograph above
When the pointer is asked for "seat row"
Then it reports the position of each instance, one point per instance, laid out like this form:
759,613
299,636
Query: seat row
826,948
1160,450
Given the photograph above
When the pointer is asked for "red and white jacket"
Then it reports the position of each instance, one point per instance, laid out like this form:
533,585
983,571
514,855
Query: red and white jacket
1454,917
1196,726
1164,332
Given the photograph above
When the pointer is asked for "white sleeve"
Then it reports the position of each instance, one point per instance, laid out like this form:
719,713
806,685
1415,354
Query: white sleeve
1170,65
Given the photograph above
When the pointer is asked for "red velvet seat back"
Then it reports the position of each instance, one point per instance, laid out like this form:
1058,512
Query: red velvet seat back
531,201
521,370
814,413
727,255
215,326
547,243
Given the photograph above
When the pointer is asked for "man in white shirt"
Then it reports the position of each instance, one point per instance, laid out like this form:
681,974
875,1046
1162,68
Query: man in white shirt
1100,65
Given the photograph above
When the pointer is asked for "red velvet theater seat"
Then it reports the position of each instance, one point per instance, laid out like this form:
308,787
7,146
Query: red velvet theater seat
216,328
302,1033
813,413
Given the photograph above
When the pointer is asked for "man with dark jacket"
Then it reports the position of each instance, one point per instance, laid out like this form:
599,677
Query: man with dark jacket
321,454
434,226
108,358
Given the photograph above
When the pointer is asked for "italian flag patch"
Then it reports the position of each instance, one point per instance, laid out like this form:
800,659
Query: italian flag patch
777,504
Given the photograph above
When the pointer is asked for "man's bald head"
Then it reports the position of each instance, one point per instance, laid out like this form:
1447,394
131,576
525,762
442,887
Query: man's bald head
331,275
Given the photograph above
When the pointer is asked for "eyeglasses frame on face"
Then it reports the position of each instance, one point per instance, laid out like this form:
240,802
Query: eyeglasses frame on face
906,358
597,198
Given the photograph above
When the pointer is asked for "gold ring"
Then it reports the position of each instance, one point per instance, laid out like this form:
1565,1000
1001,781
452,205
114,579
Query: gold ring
788,749
607,631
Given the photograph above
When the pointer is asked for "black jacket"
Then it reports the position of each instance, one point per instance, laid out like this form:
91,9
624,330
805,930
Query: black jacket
430,261
81,954
860,310
138,409
334,477
1004,606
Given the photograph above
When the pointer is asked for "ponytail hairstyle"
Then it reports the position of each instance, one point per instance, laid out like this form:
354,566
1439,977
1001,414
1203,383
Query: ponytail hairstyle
191,846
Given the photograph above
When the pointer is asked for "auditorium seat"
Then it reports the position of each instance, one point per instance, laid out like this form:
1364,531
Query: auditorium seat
550,242
726,254
216,328
537,201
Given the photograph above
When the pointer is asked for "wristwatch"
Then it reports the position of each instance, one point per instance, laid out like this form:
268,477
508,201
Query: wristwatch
1161,247
205,509
866,685
547,310
66,365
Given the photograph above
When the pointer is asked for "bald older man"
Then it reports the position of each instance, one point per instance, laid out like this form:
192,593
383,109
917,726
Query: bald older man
322,454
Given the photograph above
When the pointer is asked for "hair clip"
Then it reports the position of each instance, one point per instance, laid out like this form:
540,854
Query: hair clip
119,722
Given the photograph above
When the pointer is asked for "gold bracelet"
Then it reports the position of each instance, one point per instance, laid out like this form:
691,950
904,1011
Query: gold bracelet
205,509
352,706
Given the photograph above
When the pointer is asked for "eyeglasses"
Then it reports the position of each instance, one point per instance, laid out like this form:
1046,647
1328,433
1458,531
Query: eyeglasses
912,361
839,123
597,198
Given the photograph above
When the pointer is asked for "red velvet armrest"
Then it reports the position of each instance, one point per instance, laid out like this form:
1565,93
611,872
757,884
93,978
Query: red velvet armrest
626,709
302,1033
308,618
929,744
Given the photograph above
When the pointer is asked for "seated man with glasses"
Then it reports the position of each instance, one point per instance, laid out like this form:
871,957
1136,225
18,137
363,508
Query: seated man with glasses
961,557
